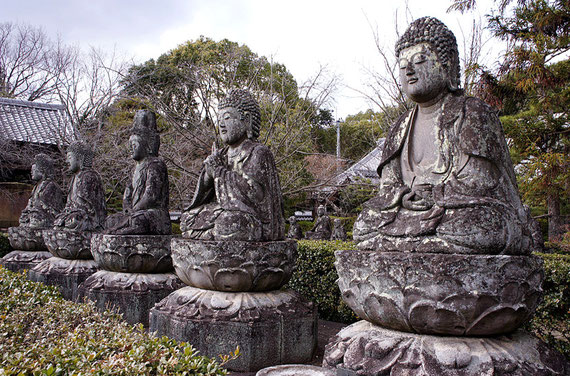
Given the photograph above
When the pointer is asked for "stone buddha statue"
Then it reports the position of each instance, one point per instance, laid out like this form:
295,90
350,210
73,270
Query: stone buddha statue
338,232
322,228
85,209
47,198
447,180
238,196
145,200
295,231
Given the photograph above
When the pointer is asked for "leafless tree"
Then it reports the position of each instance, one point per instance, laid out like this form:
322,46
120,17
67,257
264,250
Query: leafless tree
31,63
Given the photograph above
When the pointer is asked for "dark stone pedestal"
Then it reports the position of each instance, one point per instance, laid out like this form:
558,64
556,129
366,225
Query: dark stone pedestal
20,260
270,328
133,294
366,349
67,275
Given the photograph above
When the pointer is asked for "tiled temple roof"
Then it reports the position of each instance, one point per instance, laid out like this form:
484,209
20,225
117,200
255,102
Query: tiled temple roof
34,122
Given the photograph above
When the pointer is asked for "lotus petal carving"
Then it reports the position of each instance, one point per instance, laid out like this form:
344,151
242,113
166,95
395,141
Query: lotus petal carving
25,238
132,253
234,265
441,293
69,245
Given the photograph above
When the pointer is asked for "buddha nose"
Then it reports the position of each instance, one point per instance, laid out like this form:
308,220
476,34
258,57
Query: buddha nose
410,69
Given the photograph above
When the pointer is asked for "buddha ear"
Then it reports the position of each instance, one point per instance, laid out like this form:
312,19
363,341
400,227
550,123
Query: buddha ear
248,119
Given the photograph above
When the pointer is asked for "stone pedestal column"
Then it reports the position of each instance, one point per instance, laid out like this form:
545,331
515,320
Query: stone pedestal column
71,262
232,299
135,273
29,248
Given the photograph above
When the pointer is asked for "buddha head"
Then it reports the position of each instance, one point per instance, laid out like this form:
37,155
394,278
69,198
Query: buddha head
239,117
321,210
428,60
144,140
292,220
79,156
43,167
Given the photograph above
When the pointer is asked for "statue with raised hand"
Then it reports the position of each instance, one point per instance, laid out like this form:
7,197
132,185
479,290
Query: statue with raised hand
238,196
322,228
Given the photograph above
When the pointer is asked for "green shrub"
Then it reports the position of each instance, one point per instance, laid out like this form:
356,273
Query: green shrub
5,246
315,278
551,322
42,334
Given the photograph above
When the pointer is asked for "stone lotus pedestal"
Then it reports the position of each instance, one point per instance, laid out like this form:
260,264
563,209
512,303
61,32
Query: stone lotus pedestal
136,273
233,299
29,248
440,314
71,262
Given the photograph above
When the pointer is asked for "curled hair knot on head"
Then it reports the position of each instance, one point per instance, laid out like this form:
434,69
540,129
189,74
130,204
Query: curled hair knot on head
243,101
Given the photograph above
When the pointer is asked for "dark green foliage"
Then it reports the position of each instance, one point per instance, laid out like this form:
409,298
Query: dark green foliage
352,196
42,334
551,322
5,246
315,278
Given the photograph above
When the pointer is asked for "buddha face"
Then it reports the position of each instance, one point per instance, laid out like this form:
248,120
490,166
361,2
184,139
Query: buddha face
232,129
422,76
37,174
74,161
138,147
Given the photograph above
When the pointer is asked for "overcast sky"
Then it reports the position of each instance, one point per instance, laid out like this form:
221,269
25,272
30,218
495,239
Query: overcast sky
301,34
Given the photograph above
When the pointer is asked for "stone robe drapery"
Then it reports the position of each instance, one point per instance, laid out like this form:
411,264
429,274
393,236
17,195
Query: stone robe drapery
242,201
45,203
85,209
145,202
477,206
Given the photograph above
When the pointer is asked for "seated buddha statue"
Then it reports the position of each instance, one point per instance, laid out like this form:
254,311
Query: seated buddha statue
145,200
47,198
238,195
322,228
85,209
447,180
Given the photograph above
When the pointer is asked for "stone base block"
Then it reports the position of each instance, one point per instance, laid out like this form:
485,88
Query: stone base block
295,370
67,275
366,349
270,328
20,260
133,294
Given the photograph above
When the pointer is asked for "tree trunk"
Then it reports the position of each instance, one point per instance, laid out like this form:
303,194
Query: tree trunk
555,229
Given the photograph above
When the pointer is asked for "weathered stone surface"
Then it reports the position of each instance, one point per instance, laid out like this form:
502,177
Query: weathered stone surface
132,253
338,232
145,200
20,260
133,294
323,227
238,196
269,327
66,274
85,208
234,265
441,294
67,244
47,198
295,370
365,349
295,231
25,238
447,180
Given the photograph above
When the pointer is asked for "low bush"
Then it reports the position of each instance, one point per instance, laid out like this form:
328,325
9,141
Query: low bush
551,322
42,334
5,246
315,278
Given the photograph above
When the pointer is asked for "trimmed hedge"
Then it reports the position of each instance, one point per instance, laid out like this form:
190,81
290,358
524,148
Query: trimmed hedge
42,334
315,278
551,322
